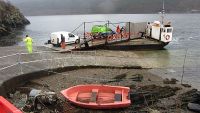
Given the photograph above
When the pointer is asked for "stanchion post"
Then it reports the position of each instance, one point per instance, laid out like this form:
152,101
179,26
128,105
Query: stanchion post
20,63
51,67
71,54
95,57
72,57
84,29
184,66
129,30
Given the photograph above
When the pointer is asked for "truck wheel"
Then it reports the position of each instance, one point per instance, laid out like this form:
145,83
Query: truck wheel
86,45
77,41
49,42
58,45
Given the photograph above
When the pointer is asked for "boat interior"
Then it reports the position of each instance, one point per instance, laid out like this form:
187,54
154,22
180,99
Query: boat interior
100,96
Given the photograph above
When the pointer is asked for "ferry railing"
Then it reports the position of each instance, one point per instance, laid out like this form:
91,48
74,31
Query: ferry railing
107,24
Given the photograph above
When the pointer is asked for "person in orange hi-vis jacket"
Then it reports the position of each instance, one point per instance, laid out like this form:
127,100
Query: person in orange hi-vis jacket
62,41
118,29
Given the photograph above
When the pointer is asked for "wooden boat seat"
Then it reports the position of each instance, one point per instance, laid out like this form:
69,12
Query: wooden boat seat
118,95
83,97
94,95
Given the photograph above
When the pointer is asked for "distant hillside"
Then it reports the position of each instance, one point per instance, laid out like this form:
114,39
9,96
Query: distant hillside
54,7
10,18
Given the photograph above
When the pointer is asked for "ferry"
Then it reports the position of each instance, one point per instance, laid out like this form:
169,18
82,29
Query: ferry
121,35
130,35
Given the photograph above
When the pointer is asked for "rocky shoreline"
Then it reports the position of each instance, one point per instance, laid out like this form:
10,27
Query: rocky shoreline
10,18
149,92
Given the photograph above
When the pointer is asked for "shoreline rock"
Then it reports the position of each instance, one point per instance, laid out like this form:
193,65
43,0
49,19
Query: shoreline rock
10,18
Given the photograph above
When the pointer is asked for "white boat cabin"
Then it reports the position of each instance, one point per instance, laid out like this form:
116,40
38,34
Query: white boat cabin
160,32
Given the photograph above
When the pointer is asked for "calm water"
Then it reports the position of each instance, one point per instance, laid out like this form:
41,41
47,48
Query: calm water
186,26
167,63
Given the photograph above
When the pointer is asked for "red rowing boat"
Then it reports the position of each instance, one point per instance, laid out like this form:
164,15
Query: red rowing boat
98,96
7,107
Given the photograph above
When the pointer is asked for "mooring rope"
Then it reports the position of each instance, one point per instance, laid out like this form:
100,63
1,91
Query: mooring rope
77,28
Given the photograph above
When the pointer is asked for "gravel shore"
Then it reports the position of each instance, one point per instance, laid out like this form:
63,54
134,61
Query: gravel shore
136,79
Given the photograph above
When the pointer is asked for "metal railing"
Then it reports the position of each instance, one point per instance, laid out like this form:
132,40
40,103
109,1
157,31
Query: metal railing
54,59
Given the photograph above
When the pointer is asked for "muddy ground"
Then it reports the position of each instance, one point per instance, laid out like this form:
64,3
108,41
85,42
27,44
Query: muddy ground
166,97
